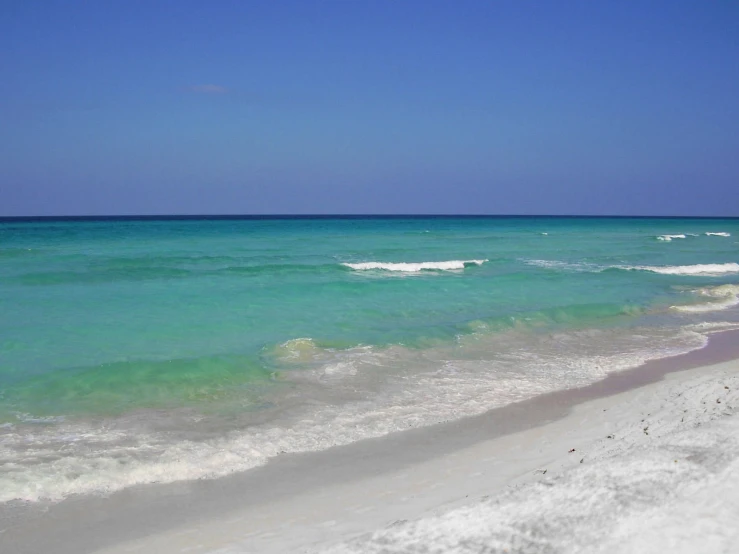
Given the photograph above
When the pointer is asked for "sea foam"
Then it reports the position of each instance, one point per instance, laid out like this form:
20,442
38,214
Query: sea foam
437,385
721,298
676,485
670,237
709,270
414,267
568,266
719,234
697,269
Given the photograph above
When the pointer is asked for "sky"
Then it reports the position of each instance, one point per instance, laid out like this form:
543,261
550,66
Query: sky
124,107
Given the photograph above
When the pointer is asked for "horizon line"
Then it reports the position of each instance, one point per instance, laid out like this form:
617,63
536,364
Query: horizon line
153,217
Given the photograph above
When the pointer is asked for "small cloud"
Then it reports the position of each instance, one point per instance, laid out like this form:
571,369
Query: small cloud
208,89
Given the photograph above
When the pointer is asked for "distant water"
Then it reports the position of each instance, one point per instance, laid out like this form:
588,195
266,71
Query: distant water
148,351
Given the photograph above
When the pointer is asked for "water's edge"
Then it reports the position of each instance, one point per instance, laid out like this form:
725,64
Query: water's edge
88,523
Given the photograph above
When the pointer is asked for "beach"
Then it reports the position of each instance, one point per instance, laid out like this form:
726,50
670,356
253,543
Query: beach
308,383
369,277
640,460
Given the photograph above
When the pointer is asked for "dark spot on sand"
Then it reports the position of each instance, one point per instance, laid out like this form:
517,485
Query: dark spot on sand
398,522
571,451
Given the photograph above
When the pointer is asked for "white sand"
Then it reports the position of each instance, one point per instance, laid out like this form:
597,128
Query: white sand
668,480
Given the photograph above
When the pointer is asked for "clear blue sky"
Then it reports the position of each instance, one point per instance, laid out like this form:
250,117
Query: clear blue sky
182,107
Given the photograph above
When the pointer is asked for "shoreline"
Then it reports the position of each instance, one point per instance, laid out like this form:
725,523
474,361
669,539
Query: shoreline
659,472
322,497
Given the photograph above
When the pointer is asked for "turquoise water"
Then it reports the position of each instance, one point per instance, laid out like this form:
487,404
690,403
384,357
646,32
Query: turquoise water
140,351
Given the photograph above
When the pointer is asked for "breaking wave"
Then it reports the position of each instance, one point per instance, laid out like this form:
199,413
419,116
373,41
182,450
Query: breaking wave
77,457
706,270
719,298
414,267
697,269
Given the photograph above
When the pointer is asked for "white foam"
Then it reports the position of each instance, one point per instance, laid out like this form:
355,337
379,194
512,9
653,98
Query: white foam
719,234
722,297
558,264
709,327
298,350
672,489
413,267
709,270
670,237
29,418
698,269
435,385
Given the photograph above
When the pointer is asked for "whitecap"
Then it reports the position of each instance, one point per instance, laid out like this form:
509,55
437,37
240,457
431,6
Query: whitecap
569,266
709,327
721,298
719,234
707,270
296,350
710,270
670,237
414,267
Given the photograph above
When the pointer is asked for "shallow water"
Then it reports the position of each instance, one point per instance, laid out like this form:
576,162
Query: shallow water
142,351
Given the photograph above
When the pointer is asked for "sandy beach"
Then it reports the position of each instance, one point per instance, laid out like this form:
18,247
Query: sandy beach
623,465
369,277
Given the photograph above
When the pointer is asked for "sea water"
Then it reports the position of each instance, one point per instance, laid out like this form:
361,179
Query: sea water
135,351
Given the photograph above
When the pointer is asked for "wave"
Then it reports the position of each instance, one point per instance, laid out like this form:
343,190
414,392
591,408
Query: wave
300,350
707,270
719,234
354,401
710,327
670,237
414,267
721,298
567,266
121,272
710,270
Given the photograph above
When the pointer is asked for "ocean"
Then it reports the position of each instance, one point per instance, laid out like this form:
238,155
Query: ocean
136,351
